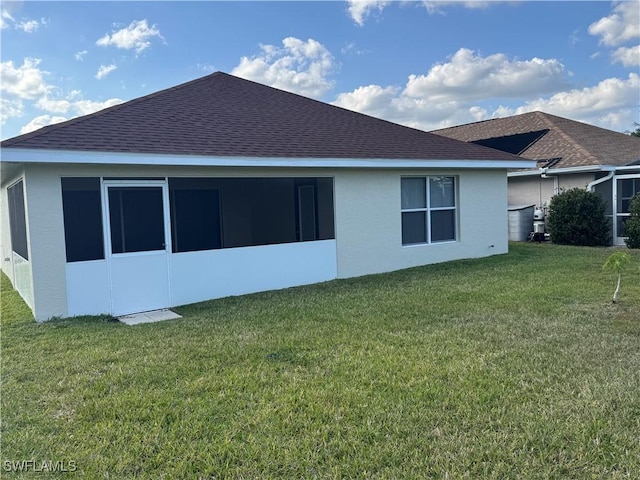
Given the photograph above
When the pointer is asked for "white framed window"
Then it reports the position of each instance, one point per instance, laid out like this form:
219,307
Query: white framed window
429,209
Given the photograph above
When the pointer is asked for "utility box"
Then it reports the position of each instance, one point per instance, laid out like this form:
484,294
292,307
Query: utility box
520,222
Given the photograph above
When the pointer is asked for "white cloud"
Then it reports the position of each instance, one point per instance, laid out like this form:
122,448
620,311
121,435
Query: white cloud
360,9
53,106
628,56
5,18
29,26
85,107
10,109
136,36
298,66
104,70
591,103
39,122
470,76
74,104
25,81
437,6
371,99
621,26
447,92
79,56
470,88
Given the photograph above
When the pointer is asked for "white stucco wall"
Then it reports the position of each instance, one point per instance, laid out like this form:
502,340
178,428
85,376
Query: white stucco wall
368,221
535,190
530,190
46,241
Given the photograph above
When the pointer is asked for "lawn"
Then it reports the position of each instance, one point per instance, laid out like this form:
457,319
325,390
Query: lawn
514,366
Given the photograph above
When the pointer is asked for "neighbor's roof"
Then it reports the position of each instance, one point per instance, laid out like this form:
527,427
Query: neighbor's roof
222,115
553,141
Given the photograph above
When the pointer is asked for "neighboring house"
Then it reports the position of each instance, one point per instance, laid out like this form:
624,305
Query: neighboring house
222,186
569,154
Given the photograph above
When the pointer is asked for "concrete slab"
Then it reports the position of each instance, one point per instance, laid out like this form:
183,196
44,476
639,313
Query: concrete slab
149,317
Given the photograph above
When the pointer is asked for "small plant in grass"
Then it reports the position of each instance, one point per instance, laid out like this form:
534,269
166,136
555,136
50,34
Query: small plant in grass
632,227
617,262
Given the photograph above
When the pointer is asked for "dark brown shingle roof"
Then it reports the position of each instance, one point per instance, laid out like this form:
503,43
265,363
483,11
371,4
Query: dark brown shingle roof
223,115
569,143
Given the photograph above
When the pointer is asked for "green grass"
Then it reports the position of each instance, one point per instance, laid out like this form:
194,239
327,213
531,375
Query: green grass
515,366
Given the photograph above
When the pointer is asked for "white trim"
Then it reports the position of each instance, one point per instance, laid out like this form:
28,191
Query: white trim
525,173
27,155
583,169
567,170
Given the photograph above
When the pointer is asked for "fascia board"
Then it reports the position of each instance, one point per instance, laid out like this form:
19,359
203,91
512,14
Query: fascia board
24,155
561,171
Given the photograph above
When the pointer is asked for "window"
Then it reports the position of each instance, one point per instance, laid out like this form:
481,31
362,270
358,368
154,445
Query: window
82,212
17,219
428,206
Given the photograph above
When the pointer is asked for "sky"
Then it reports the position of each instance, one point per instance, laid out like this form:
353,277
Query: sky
423,64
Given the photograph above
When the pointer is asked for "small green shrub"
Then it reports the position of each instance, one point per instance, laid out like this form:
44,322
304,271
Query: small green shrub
577,217
632,227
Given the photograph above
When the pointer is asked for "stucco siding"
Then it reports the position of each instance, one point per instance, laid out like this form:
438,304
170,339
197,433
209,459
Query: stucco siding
535,190
576,180
369,230
47,247
530,190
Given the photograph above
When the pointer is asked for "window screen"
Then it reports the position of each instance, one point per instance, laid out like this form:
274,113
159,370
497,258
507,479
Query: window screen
17,219
195,216
82,211
136,219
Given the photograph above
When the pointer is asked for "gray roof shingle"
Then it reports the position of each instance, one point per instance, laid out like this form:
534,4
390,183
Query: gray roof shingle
225,116
567,143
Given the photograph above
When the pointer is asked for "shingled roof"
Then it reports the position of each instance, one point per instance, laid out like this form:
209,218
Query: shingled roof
222,115
552,141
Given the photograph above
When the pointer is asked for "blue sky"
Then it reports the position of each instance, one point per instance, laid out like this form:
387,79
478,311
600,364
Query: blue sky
424,64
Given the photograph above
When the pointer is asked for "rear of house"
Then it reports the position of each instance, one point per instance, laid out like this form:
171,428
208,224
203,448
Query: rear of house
221,187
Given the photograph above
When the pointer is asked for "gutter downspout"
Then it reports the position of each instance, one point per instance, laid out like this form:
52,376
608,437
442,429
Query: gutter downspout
609,176
556,182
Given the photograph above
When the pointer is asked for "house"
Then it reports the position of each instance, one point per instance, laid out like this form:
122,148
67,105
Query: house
568,154
221,186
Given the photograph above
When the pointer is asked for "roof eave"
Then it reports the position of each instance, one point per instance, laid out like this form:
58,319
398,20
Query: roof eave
46,156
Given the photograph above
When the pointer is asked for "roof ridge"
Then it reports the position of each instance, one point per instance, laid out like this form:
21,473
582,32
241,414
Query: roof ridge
551,122
104,111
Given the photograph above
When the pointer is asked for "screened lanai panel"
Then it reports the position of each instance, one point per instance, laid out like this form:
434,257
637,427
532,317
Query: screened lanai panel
17,219
82,212
214,213
195,215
